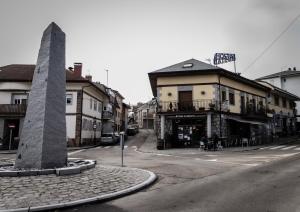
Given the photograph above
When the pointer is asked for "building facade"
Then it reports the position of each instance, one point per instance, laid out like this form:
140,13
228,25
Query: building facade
195,99
146,115
84,104
287,80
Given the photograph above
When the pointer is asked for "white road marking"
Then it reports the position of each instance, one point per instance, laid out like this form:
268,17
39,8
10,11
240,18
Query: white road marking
107,147
289,147
134,147
267,147
212,160
278,147
125,147
297,149
72,153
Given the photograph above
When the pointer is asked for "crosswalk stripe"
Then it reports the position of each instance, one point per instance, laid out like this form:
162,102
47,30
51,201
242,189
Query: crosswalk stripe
107,147
133,147
125,147
289,147
298,149
278,147
267,147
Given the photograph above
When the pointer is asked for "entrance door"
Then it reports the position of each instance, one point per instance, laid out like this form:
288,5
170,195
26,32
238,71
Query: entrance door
185,100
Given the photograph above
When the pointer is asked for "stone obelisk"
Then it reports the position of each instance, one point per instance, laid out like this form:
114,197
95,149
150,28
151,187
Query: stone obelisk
43,139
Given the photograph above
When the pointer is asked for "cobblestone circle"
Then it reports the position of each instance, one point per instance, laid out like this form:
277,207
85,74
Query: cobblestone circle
33,191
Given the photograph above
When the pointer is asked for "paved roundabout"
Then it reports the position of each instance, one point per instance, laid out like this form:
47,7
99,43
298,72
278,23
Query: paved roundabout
46,192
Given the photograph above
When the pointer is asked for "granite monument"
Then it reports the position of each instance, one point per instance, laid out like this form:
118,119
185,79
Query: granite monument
43,138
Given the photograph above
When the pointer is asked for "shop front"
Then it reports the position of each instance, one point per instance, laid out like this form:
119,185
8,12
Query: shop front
185,130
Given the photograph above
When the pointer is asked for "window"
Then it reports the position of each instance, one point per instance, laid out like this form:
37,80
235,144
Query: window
69,99
188,65
283,102
276,100
95,105
292,105
231,98
223,96
19,99
91,103
99,107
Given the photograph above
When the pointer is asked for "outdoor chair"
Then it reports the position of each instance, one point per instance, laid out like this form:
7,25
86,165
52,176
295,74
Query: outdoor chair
219,145
202,145
245,141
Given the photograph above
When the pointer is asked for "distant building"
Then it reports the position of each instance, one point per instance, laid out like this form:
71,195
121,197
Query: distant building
288,80
196,99
146,115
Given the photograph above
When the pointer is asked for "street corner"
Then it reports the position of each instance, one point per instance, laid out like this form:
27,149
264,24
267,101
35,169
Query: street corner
50,192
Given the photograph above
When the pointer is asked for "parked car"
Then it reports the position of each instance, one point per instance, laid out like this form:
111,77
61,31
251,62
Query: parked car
131,130
108,138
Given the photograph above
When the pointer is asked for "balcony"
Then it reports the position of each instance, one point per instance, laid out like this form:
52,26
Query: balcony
13,109
107,115
253,111
193,106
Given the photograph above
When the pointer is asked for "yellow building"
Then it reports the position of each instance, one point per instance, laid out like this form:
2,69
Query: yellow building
196,99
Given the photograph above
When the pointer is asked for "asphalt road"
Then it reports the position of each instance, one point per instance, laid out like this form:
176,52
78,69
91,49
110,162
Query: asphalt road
266,179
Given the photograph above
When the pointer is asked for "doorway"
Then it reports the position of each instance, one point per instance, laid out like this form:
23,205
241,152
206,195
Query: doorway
185,100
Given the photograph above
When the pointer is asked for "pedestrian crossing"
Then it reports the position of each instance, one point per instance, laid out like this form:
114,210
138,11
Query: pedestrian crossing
282,148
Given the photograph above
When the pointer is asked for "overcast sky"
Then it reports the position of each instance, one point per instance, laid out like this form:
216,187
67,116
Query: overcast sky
133,37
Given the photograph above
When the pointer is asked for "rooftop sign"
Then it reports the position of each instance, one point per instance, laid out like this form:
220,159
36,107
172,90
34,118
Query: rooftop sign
220,58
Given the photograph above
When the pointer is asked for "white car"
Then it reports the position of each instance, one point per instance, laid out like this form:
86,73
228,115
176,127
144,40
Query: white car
108,138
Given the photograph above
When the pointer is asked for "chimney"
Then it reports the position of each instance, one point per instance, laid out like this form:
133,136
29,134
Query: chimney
78,69
290,69
88,77
294,69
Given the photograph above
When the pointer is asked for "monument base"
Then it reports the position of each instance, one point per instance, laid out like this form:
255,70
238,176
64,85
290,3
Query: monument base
73,167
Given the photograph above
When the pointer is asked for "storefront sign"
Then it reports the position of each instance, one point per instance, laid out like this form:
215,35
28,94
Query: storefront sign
186,116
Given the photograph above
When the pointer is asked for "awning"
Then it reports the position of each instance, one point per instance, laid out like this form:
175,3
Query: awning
246,121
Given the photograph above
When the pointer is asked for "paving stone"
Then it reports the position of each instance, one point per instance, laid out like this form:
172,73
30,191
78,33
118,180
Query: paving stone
41,190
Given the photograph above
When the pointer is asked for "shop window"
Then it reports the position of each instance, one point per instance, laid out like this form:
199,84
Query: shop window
276,100
69,99
231,98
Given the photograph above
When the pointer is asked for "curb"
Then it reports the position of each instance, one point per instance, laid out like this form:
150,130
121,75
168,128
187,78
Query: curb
69,149
152,178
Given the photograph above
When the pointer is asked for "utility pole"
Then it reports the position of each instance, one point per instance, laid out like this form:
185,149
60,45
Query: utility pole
106,77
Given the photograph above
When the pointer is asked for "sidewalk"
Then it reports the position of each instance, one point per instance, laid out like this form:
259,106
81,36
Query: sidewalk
50,191
150,146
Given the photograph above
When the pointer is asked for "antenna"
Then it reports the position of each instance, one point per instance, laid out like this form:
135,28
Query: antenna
106,77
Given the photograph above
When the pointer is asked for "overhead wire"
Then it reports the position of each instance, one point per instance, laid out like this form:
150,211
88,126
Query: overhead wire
272,43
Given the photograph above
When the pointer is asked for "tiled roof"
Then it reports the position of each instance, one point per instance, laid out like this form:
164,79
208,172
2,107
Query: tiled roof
196,67
20,72
286,73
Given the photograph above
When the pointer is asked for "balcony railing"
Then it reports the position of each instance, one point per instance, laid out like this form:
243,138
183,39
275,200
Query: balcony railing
107,115
254,111
191,106
13,109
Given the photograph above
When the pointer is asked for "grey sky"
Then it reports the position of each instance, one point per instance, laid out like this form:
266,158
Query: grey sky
134,37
